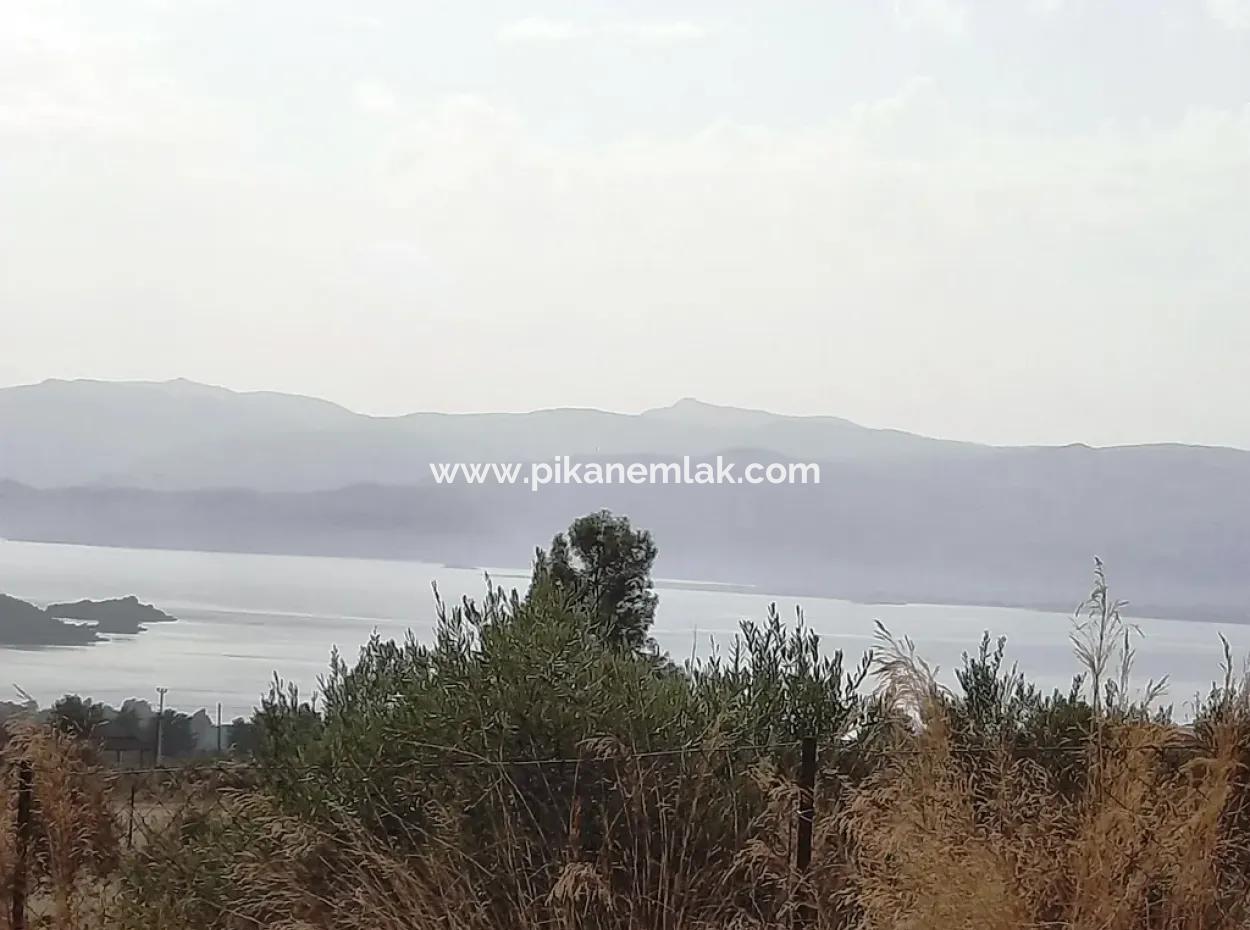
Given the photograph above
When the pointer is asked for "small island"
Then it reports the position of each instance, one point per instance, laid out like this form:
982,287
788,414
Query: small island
121,615
22,624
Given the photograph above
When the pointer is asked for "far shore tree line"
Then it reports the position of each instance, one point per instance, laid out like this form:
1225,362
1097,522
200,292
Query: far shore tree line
134,733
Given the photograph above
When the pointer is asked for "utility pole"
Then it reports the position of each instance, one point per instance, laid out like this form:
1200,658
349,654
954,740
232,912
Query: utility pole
160,728
219,728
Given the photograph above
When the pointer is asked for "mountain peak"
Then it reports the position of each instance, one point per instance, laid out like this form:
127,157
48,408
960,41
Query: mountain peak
701,413
690,405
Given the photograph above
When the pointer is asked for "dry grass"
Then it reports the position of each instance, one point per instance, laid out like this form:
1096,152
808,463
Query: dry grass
932,840
71,842
1144,846
943,838
937,835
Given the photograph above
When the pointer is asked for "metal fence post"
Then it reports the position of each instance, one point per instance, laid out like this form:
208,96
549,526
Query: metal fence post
805,913
25,795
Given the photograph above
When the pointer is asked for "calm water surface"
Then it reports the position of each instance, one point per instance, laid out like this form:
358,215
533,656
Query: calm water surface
245,617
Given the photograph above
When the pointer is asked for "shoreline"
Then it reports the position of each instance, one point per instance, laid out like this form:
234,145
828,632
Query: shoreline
1134,611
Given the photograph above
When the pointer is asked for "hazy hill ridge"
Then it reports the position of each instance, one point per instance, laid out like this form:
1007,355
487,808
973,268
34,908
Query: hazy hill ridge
897,516
179,435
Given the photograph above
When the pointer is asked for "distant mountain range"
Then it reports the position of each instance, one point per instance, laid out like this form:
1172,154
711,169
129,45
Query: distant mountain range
896,517
179,435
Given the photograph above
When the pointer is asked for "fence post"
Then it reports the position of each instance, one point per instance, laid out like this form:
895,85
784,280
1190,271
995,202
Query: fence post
806,910
25,795
130,816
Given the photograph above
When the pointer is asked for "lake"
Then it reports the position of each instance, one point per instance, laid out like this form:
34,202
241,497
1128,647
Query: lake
244,617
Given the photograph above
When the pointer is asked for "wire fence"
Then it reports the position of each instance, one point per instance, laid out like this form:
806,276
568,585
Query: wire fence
71,834
81,845
75,843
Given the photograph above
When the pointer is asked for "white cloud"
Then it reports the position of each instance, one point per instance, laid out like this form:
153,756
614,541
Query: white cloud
364,21
61,74
659,32
1235,14
541,31
640,32
948,17
374,96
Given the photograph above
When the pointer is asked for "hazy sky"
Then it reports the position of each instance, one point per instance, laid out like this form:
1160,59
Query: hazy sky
1007,220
